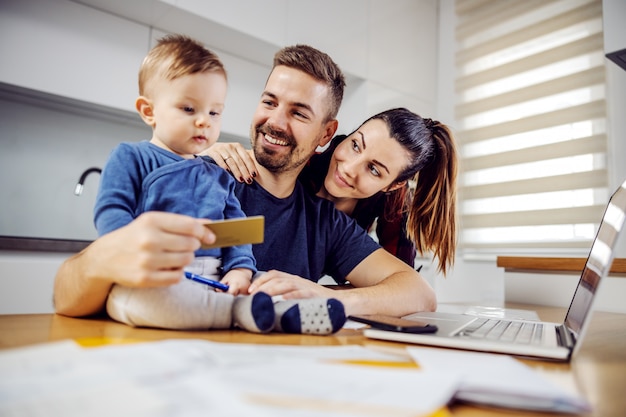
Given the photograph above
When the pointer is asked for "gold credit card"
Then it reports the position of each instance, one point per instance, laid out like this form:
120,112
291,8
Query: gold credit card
233,232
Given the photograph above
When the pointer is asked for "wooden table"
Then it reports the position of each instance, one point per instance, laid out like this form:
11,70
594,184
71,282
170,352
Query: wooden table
598,371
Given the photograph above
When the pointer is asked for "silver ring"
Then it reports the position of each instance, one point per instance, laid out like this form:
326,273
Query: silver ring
227,157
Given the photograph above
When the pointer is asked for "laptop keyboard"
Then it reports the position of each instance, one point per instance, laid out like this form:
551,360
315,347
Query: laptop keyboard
504,331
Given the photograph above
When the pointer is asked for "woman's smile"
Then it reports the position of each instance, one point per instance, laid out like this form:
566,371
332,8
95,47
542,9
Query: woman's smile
340,179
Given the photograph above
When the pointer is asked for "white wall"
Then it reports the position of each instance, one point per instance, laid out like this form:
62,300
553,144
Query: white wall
27,280
64,48
614,29
558,289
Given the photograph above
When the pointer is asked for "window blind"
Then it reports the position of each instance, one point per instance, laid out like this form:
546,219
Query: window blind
530,116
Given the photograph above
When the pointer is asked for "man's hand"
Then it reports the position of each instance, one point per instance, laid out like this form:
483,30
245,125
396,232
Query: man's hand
289,286
151,251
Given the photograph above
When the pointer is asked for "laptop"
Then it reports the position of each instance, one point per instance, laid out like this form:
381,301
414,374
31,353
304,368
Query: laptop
529,338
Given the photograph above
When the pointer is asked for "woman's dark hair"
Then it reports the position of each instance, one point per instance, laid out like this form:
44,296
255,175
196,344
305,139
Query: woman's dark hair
430,200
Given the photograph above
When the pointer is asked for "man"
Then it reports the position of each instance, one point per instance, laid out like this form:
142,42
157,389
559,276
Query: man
305,236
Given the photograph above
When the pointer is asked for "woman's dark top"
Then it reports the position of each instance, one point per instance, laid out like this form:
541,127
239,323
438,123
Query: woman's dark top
390,228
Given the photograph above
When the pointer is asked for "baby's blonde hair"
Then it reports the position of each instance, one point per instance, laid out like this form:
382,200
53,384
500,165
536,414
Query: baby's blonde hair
174,56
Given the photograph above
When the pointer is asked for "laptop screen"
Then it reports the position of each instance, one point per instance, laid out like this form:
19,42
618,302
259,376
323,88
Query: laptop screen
599,261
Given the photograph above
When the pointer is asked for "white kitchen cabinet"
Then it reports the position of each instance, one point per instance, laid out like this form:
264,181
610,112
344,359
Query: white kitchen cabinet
71,50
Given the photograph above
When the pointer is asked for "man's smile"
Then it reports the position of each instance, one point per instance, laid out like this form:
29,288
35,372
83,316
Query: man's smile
275,141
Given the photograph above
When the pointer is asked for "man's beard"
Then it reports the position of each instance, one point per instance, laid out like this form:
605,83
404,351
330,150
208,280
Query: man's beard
270,159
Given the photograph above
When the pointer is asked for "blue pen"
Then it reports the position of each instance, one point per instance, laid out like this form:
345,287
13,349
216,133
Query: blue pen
207,281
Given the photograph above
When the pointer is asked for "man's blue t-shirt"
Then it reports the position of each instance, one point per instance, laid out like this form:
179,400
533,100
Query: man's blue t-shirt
305,235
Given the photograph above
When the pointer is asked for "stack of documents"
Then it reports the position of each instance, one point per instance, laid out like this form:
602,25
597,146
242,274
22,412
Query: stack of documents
199,378
498,380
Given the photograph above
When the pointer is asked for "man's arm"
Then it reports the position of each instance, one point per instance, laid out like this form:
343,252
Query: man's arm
151,251
383,285
386,285
75,293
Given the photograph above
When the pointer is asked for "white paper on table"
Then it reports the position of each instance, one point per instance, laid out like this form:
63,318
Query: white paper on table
139,380
498,380
182,353
192,377
311,381
314,389
59,379
18,360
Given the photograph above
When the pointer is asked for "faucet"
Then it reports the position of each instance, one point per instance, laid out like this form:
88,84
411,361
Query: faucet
79,187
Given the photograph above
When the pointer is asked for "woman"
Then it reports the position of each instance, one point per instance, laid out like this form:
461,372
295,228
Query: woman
397,169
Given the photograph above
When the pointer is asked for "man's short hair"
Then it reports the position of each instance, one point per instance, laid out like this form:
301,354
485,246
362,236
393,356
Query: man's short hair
318,65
